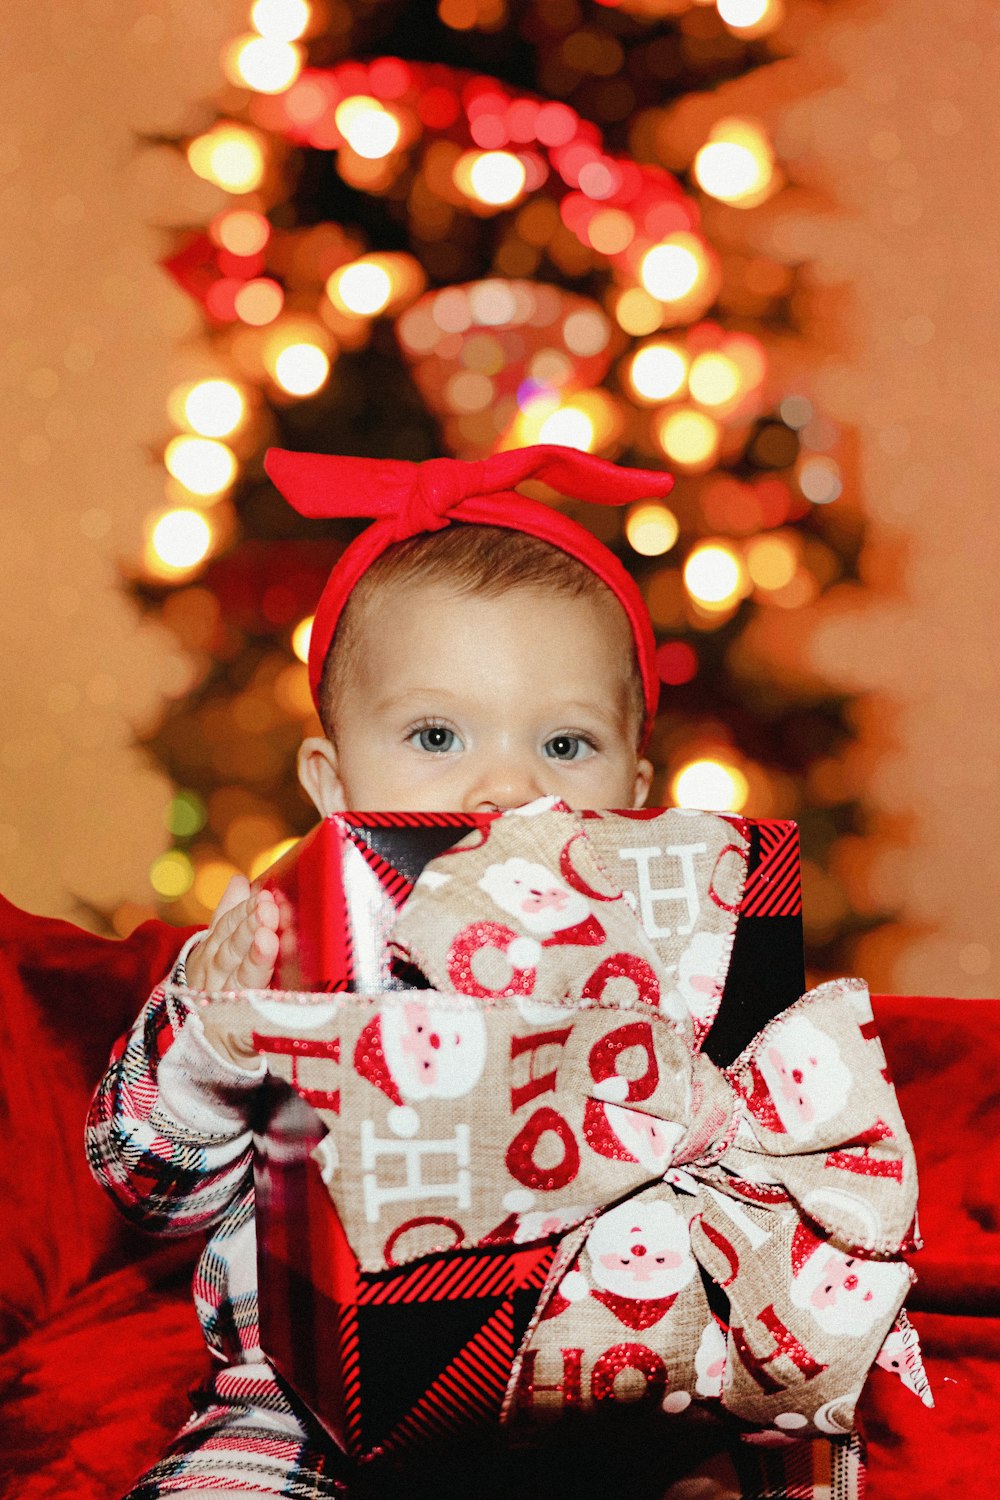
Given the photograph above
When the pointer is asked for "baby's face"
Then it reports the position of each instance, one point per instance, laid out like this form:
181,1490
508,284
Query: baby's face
459,703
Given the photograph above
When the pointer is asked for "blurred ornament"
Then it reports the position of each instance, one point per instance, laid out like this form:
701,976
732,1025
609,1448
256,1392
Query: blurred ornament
502,362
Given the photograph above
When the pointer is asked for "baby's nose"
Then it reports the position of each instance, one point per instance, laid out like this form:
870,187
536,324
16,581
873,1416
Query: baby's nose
504,782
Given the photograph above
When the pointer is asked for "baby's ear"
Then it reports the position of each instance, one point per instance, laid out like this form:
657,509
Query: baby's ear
643,781
319,775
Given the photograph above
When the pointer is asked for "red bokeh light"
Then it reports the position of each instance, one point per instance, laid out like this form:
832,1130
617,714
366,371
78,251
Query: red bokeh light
676,663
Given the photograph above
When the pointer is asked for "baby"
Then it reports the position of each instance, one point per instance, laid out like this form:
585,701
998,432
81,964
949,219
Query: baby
473,650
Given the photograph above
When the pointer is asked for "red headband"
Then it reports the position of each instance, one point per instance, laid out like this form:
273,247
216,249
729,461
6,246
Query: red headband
407,499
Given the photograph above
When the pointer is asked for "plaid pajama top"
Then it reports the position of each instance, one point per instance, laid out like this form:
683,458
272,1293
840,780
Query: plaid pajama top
169,1136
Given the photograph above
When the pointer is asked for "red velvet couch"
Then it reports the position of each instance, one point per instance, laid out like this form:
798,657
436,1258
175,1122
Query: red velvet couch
98,1337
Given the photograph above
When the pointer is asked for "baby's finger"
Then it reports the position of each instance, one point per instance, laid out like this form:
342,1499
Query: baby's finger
254,973
236,891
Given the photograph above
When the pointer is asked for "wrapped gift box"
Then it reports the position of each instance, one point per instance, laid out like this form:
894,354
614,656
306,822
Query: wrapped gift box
390,1358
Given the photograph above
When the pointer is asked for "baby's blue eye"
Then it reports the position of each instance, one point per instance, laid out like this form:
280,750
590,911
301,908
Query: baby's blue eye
437,739
567,747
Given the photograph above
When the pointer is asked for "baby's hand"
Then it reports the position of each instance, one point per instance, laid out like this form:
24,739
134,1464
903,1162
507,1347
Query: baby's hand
237,953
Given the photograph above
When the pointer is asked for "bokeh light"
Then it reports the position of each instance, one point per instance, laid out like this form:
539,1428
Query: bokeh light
210,880
363,288
710,785
714,575
301,636
658,371
676,663
264,64
651,528
186,814
689,438
714,379
820,480
204,466
180,540
496,178
371,130
259,302
172,874
301,369
751,18
773,559
230,156
280,20
674,269
736,164
214,408
241,231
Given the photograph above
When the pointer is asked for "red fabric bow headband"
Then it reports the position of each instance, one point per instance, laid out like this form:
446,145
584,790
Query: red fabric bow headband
408,499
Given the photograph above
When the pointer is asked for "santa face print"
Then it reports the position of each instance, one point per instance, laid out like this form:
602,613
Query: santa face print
845,1294
459,703
640,1250
540,900
433,1055
805,1074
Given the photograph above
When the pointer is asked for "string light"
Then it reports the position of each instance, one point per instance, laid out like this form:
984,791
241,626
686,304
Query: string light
280,20
772,560
229,155
204,466
261,63
363,288
496,178
651,529
819,479
736,165
714,379
210,880
710,785
671,270
259,302
179,541
714,576
172,874
658,371
301,636
242,231
689,438
214,408
372,131
751,18
301,369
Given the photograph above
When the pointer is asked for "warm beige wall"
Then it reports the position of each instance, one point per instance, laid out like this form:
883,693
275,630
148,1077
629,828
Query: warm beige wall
904,137
889,124
87,328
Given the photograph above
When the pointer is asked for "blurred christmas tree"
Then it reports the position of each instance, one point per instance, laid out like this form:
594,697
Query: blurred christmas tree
451,231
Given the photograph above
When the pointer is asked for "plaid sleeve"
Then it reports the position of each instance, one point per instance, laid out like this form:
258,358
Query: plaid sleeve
168,1133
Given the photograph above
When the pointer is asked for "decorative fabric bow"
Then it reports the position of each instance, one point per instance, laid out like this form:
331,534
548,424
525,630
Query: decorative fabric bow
406,499
726,1236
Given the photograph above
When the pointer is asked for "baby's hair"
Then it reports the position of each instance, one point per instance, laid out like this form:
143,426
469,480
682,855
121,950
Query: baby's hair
469,559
